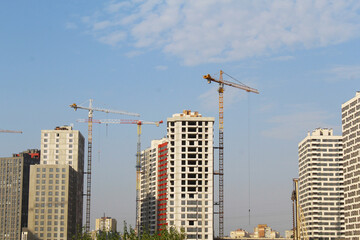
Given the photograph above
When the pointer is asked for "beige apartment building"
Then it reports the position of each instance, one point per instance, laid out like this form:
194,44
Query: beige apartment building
106,224
351,140
56,185
321,190
14,192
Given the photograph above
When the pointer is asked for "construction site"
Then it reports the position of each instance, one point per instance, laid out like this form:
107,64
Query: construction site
180,178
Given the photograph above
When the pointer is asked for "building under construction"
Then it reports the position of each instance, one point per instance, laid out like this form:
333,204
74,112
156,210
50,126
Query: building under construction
177,178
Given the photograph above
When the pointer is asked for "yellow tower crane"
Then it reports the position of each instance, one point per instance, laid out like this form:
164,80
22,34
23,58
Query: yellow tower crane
139,123
91,109
299,224
222,83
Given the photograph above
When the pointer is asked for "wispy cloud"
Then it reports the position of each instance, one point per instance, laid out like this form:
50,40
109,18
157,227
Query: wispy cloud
113,38
70,25
210,100
213,31
283,58
340,73
294,125
161,67
132,54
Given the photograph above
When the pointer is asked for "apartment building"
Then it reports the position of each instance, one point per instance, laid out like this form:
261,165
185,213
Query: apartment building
321,190
106,224
351,140
152,159
56,185
14,192
177,178
190,174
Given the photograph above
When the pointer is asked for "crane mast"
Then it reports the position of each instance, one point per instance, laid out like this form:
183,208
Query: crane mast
221,83
299,225
91,109
139,123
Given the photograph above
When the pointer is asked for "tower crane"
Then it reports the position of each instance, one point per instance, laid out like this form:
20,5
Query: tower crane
9,131
299,225
139,123
91,109
222,83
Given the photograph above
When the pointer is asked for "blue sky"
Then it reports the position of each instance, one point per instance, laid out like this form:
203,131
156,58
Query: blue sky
149,57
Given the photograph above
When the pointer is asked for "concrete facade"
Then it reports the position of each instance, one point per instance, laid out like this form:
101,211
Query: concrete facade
53,202
56,196
14,192
177,178
321,191
351,140
149,186
63,145
106,224
190,174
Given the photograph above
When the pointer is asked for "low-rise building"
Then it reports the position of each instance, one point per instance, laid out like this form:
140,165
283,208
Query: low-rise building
106,224
239,233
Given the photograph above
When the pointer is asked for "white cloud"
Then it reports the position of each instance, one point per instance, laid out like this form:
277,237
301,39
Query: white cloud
113,38
295,125
219,31
116,6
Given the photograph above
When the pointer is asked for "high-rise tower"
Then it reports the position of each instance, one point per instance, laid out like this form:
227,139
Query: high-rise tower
321,191
14,192
154,177
177,177
190,175
351,140
56,185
